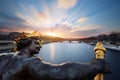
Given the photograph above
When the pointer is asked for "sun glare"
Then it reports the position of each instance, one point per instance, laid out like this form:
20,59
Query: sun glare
52,34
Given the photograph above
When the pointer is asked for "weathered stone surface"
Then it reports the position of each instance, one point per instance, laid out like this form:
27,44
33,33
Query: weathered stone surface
23,66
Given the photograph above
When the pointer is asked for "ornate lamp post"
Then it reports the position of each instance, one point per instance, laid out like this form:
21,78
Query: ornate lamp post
99,54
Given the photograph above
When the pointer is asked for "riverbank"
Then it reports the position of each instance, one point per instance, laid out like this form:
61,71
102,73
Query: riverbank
8,46
112,47
109,46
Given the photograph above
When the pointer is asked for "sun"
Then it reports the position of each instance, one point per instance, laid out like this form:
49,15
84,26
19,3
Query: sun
52,34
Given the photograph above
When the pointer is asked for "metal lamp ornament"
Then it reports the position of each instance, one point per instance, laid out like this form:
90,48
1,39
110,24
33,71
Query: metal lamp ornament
99,54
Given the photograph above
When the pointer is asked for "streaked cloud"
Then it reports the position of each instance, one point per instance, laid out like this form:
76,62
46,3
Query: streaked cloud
49,17
85,28
66,3
4,17
6,30
83,19
68,18
36,18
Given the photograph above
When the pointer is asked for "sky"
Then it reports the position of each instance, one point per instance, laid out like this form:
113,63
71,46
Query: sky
61,18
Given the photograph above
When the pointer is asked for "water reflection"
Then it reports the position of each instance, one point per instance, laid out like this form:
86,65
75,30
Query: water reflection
82,52
52,48
62,52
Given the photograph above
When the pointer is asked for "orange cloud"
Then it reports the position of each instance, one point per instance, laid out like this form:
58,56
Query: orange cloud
85,28
47,18
18,30
66,3
83,19
5,30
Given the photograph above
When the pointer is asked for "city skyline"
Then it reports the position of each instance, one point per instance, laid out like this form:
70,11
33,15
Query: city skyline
62,18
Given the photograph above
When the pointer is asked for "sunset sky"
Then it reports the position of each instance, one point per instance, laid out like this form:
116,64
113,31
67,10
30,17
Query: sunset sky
63,18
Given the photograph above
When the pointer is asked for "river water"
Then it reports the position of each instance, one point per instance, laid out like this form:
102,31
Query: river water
57,53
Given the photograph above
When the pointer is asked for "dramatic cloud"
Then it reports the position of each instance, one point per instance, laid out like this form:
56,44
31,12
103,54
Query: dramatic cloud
67,18
45,18
83,19
88,33
4,17
66,3
36,18
8,27
85,28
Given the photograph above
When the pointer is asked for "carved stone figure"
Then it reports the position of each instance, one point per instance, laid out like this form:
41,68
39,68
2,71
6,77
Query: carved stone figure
24,66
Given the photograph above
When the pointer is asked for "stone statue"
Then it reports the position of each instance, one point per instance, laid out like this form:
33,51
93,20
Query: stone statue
24,66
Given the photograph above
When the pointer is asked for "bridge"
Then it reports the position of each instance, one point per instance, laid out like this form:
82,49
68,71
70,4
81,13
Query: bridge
6,46
6,42
99,52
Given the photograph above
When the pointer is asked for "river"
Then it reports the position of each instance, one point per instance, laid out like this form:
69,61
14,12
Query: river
57,53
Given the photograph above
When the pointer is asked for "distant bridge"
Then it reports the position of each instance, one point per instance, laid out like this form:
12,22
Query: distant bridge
6,42
70,41
5,46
